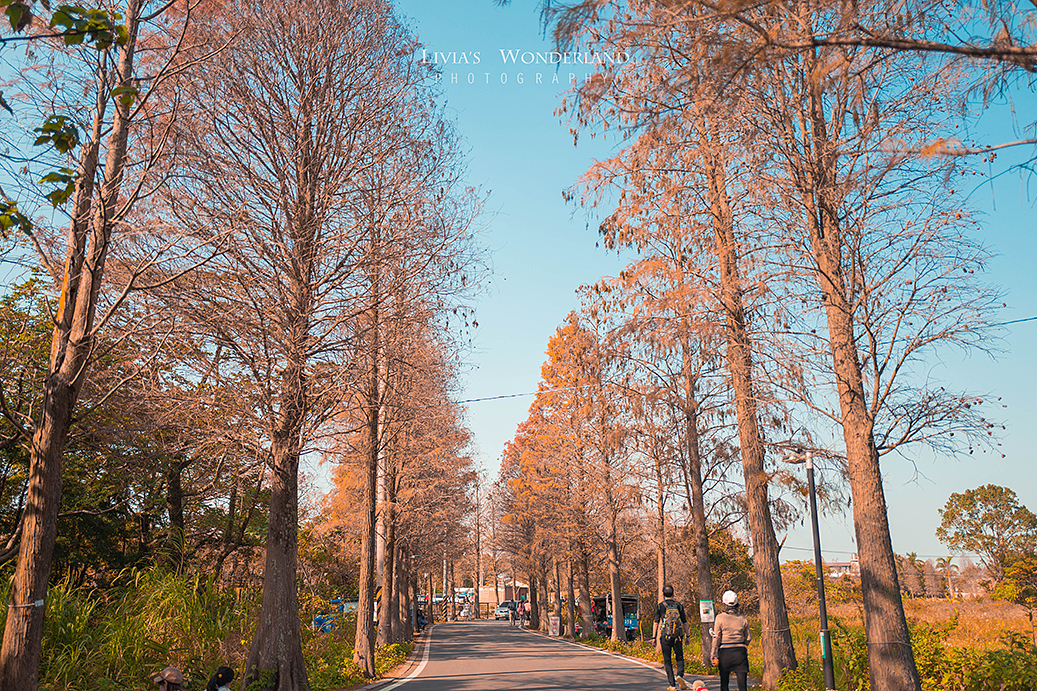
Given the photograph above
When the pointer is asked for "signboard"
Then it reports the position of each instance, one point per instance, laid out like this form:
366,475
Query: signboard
554,625
706,614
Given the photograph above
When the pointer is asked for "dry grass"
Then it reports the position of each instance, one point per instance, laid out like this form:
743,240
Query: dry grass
980,622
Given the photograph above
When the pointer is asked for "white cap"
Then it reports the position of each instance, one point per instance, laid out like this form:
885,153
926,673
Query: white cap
730,598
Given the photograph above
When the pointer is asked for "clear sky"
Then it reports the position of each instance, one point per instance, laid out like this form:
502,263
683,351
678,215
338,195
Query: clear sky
542,251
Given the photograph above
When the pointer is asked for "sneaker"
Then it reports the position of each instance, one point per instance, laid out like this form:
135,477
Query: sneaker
680,683
671,688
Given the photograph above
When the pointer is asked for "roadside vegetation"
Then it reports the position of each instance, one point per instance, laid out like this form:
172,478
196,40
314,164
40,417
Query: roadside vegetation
117,638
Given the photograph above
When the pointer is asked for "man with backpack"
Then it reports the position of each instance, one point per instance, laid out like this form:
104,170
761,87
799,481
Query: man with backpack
668,631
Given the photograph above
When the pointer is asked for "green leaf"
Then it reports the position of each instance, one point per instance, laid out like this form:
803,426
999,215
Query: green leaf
126,94
97,27
19,14
59,131
66,178
11,217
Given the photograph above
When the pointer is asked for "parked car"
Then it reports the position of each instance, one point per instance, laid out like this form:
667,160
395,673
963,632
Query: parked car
504,610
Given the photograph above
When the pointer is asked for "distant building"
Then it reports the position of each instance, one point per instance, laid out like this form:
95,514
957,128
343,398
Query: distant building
506,589
838,569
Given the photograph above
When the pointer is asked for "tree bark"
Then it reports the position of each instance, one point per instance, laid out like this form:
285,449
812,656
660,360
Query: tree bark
778,651
700,535
388,523
450,593
364,646
585,597
545,594
660,530
275,657
618,630
395,619
891,663
71,347
570,605
558,588
431,619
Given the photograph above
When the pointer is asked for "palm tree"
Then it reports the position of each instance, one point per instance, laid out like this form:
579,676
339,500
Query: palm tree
947,567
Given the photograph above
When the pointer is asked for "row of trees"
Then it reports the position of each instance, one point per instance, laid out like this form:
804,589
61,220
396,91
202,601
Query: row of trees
802,255
269,238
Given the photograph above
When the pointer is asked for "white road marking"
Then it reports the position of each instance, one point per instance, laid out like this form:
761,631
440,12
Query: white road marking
418,669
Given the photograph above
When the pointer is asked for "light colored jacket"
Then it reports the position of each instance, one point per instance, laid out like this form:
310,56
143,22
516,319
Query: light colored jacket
730,630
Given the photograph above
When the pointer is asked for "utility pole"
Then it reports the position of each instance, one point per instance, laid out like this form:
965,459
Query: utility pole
827,664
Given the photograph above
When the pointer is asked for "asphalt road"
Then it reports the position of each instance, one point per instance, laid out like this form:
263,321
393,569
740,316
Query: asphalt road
488,655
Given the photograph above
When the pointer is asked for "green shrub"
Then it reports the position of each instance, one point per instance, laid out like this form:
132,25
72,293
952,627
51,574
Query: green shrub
809,676
116,639
940,667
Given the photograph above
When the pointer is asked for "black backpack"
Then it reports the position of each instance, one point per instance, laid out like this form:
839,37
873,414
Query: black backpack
672,625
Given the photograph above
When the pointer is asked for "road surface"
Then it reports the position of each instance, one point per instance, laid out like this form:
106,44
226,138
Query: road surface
488,655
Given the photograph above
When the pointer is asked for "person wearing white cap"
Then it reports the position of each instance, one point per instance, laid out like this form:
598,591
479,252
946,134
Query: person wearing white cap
731,638
169,679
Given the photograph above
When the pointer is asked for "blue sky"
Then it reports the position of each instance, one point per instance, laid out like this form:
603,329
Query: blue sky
542,251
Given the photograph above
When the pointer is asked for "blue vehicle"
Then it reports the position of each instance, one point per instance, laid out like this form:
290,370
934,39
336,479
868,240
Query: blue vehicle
601,607
328,619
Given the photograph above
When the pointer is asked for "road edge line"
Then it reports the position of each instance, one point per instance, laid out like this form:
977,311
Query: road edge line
417,670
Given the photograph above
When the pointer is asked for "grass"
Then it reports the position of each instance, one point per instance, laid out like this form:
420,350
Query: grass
116,639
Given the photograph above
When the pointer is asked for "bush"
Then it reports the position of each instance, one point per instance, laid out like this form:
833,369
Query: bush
117,638
940,667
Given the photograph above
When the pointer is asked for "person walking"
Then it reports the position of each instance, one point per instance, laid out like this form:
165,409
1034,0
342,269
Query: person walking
731,638
668,632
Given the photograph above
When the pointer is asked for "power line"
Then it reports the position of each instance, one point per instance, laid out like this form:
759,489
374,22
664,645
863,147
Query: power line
502,396
570,388
1015,321
843,551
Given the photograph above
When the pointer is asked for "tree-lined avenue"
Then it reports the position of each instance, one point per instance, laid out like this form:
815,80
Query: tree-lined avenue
489,655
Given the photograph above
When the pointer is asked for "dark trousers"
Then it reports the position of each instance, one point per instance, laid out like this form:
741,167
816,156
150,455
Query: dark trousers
733,660
676,647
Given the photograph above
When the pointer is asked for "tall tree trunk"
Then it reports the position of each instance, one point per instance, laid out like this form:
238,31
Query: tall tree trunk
364,646
558,588
395,619
585,597
409,600
891,663
175,510
533,599
618,631
451,594
275,657
660,528
431,598
403,582
478,553
388,522
71,346
700,534
545,594
778,651
570,605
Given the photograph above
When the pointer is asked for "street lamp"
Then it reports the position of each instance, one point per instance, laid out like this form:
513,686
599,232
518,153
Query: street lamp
799,456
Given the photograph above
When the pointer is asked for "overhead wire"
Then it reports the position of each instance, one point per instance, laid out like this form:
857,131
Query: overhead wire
570,388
